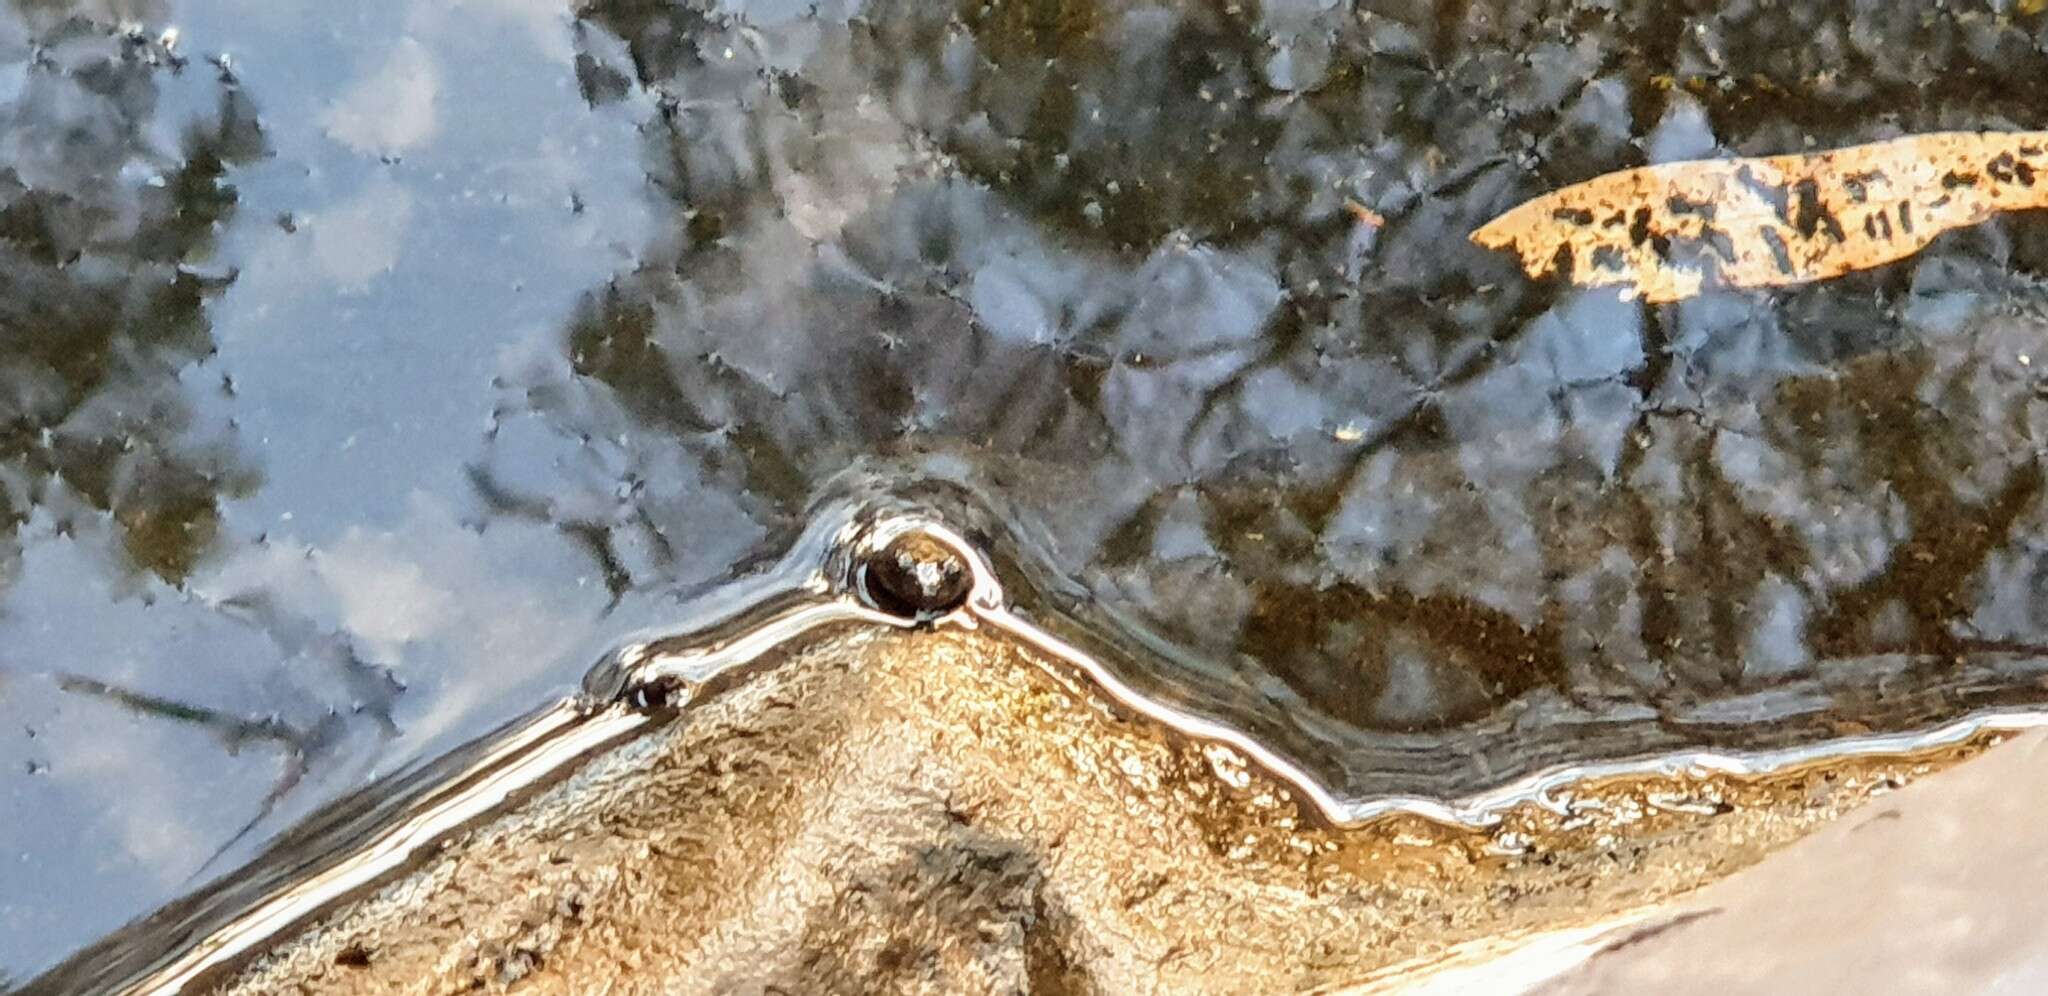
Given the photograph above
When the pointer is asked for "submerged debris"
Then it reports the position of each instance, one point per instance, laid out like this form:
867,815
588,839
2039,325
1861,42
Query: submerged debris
1669,231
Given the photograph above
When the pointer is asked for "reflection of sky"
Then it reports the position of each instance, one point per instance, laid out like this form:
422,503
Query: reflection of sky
362,345
411,142
495,354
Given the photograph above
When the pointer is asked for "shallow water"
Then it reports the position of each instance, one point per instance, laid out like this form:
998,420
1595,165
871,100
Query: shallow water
366,376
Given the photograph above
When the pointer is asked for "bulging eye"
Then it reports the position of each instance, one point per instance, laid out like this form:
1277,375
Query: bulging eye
916,576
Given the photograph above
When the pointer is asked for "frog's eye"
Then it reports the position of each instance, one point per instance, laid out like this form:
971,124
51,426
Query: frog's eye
916,576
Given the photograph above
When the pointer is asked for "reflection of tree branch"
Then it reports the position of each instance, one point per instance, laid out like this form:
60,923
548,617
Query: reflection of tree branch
596,540
235,732
614,338
503,500
1279,337
593,538
1927,572
373,685
1951,540
1687,413
1423,418
1424,415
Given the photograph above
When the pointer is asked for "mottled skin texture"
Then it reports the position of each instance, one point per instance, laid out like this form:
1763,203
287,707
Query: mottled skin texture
932,813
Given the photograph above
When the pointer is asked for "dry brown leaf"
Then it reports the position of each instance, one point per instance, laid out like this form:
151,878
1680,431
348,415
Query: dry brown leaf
1668,231
1365,215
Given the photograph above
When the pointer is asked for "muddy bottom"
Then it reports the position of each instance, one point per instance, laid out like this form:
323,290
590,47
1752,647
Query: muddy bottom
938,812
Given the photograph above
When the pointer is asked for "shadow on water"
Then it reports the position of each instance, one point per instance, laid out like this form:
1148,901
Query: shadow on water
344,437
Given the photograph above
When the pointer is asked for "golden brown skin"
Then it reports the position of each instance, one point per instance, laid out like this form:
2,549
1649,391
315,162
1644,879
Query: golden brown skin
1669,231
931,812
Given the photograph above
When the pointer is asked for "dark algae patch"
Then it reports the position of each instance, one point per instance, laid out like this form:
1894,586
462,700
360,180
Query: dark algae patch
367,374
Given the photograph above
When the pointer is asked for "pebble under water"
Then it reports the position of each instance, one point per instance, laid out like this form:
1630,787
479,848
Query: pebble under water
368,373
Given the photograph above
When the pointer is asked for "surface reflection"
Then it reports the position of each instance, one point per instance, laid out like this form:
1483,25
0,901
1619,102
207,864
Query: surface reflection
114,190
336,439
106,284
248,347
1183,290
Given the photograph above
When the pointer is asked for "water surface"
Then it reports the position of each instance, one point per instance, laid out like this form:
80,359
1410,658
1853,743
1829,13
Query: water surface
366,374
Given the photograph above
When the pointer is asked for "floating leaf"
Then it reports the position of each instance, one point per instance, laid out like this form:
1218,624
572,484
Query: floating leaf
1668,231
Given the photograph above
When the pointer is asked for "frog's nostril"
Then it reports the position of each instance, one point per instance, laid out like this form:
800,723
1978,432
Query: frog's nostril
654,696
917,576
